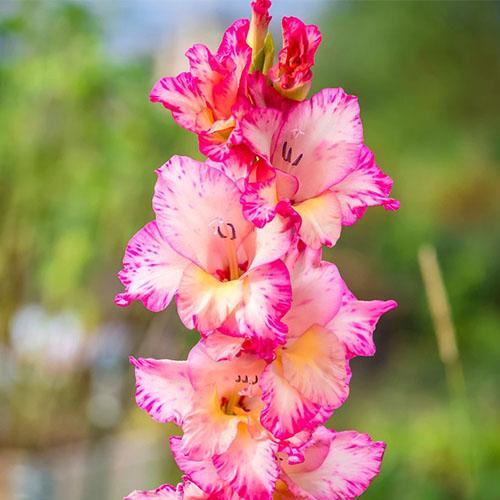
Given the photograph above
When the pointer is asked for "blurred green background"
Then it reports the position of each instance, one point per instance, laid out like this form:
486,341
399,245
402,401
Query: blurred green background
79,143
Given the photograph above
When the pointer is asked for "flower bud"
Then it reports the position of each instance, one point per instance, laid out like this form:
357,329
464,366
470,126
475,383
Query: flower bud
258,37
292,75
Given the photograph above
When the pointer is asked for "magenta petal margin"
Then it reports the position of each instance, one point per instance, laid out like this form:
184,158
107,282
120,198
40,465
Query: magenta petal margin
237,241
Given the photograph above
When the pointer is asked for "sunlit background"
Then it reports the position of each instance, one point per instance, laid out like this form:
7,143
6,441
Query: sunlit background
79,142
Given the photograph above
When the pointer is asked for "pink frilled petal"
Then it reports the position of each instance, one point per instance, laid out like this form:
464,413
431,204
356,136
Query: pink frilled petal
353,460
206,372
364,187
237,163
315,365
317,293
163,389
319,141
260,199
221,347
205,70
152,270
182,97
355,323
267,244
165,492
249,466
258,128
236,56
201,472
195,204
264,95
204,302
286,412
190,491
267,297
321,220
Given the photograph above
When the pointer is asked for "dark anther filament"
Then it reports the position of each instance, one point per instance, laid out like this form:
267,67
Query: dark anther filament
245,380
233,231
256,380
238,378
286,154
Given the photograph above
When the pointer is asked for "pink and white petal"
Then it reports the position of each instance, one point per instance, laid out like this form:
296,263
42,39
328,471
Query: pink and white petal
163,389
272,242
207,429
287,185
152,270
195,204
321,220
302,255
183,98
190,491
205,69
317,294
264,95
319,142
164,492
259,201
286,412
366,186
249,466
221,347
216,145
356,321
204,302
236,55
258,128
233,44
315,364
267,297
201,472
207,373
314,38
346,472
237,164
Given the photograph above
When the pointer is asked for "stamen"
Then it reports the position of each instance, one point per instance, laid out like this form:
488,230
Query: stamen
227,231
297,160
286,154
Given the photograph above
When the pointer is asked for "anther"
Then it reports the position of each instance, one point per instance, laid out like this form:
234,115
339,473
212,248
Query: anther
256,380
297,160
233,231
245,380
238,378
286,154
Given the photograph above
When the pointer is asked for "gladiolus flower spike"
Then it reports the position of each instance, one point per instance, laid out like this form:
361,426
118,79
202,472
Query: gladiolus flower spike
237,241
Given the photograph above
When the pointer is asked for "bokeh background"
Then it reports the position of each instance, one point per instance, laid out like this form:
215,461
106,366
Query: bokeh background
79,143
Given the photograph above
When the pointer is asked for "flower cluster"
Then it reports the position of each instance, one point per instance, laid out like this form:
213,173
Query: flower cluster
237,241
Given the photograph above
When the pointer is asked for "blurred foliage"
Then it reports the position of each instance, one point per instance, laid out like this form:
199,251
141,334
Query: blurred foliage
80,143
